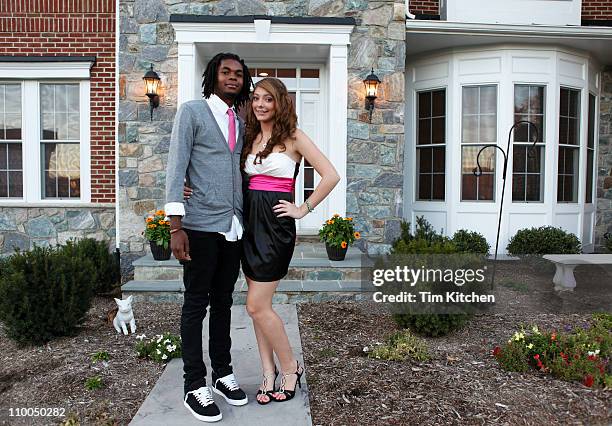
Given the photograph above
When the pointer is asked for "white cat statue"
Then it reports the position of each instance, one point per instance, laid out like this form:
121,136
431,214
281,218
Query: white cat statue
124,316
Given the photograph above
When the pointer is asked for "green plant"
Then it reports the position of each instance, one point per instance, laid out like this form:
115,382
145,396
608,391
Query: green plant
44,293
338,232
608,241
161,348
432,325
100,356
108,274
426,241
471,242
399,347
158,229
543,240
93,383
578,354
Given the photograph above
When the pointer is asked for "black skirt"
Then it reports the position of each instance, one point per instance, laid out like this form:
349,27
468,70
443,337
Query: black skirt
268,240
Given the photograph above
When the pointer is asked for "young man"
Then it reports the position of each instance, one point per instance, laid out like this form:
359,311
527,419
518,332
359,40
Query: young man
205,148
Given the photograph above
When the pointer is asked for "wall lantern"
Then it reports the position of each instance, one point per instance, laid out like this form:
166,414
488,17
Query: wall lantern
152,80
371,83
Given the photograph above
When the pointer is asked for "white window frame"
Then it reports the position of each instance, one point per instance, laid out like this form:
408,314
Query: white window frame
30,76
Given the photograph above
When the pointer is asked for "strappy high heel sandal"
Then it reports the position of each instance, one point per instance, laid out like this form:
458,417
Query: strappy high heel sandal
289,394
263,391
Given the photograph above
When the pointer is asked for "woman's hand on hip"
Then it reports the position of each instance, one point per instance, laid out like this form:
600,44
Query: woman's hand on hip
286,209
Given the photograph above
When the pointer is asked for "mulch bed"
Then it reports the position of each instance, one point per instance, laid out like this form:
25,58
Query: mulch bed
462,383
54,375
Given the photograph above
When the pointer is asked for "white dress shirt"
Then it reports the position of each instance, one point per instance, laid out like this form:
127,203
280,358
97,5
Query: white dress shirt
219,109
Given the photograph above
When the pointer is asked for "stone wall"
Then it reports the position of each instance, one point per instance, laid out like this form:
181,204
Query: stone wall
23,228
374,167
603,221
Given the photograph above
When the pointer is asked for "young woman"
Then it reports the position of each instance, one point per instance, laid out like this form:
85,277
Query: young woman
272,151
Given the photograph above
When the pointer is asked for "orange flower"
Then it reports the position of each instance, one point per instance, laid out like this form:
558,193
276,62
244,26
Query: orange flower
344,244
153,226
336,215
329,222
357,235
160,213
149,219
349,218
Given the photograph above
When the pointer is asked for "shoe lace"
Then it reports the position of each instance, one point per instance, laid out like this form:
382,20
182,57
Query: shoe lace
203,395
230,382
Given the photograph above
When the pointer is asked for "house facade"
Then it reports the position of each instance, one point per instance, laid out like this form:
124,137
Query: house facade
452,81
57,113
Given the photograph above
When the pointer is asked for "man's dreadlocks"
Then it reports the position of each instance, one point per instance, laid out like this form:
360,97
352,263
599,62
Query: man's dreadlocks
209,78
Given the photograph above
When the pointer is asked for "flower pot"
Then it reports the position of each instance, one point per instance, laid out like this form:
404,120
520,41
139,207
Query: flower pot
335,253
159,252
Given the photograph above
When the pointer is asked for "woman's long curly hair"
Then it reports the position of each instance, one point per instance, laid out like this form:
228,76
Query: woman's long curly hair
285,120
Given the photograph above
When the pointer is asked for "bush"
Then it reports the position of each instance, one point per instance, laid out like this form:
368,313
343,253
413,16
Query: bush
608,241
427,241
161,348
581,354
543,240
108,273
471,242
399,347
44,293
432,325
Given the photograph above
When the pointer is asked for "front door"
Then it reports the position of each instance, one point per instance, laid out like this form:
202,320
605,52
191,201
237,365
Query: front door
304,86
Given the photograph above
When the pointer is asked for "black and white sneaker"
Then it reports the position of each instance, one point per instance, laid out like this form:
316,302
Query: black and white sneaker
228,388
201,404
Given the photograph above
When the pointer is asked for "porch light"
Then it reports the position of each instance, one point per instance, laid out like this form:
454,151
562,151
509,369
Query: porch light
371,83
152,80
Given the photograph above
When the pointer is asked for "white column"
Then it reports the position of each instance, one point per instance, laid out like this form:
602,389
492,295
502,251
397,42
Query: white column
338,111
186,72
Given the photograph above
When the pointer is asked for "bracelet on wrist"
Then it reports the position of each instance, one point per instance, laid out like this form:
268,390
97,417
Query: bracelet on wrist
308,206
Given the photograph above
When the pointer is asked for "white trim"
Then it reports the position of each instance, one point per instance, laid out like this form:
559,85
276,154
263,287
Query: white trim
58,204
334,81
42,70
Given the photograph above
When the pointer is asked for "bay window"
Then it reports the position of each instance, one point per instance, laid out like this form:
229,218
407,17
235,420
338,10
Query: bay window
430,146
569,145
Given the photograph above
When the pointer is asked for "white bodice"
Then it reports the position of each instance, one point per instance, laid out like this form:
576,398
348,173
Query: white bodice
277,164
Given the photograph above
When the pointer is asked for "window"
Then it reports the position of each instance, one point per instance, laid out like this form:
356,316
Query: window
59,115
430,146
527,163
44,138
569,145
478,128
11,162
590,151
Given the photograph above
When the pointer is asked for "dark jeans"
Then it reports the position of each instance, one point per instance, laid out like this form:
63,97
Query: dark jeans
209,278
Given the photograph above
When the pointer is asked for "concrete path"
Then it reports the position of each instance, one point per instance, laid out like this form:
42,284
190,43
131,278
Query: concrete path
164,405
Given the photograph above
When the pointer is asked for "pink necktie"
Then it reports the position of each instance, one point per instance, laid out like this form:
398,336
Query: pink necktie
231,139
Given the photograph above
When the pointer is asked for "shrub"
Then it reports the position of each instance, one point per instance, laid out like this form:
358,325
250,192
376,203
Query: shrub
399,347
161,348
100,356
471,242
432,325
581,354
44,293
427,241
543,240
106,265
608,241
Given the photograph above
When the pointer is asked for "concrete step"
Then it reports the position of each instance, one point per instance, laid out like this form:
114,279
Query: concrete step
288,291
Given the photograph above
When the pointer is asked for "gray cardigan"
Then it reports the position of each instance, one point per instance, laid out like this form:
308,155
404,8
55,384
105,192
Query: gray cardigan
199,152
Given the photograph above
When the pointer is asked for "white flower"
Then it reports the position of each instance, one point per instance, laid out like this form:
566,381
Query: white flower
535,329
164,356
167,341
169,348
158,352
365,349
593,353
140,337
530,346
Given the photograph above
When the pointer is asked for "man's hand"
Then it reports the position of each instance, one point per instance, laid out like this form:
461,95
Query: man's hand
187,191
179,242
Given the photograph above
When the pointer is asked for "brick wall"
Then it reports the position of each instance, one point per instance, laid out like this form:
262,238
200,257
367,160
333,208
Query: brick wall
597,9
427,7
73,28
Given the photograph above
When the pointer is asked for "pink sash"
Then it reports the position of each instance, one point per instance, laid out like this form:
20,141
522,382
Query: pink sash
271,183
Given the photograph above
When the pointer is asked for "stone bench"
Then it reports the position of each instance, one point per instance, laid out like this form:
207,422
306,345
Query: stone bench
565,264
